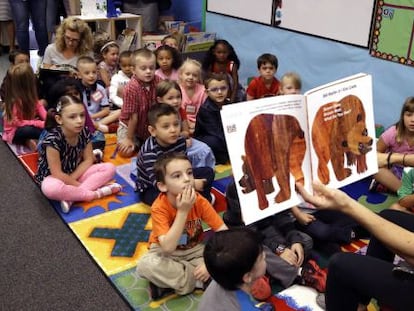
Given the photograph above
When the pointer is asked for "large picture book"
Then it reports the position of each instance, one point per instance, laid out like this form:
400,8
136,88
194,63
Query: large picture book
327,134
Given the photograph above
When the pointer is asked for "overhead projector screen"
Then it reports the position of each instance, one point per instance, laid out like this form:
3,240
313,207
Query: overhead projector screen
345,21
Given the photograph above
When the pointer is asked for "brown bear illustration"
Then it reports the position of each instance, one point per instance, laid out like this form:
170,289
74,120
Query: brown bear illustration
339,130
274,146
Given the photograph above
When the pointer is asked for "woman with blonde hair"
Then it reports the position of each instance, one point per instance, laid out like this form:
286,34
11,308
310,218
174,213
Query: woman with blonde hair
73,39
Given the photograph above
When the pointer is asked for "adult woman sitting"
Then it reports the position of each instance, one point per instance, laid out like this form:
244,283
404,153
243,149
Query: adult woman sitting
354,279
73,39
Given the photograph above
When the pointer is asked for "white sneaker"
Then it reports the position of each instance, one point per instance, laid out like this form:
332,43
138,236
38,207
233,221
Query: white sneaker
213,198
65,206
98,155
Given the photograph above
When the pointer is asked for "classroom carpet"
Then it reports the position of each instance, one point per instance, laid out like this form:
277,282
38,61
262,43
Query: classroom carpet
115,229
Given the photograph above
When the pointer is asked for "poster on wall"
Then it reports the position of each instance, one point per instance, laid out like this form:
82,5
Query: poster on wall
393,33
344,21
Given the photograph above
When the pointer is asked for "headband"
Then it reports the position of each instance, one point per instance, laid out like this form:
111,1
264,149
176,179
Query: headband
107,44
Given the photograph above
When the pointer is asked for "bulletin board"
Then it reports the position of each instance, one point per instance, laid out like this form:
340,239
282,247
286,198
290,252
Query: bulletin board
345,21
393,35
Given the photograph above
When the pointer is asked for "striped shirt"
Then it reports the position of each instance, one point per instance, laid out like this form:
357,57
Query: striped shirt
146,158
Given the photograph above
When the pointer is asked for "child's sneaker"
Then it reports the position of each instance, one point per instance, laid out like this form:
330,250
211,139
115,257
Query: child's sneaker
108,190
213,198
313,276
65,206
98,155
159,292
261,289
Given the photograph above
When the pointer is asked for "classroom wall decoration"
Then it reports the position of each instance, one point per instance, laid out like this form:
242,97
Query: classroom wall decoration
394,31
344,21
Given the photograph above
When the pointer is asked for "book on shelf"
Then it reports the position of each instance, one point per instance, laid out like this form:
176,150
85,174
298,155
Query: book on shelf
198,41
327,134
127,40
152,42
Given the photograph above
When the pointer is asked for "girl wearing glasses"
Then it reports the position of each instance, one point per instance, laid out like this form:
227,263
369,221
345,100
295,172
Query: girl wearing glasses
73,39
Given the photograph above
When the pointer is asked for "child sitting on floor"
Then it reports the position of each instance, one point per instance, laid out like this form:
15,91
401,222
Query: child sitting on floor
209,128
287,249
235,259
200,154
265,84
139,96
164,127
24,114
94,95
66,172
175,258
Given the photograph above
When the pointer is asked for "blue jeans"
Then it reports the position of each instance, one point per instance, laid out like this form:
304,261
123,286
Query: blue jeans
36,10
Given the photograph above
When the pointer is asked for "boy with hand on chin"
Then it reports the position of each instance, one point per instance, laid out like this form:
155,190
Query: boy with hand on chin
139,95
165,128
175,258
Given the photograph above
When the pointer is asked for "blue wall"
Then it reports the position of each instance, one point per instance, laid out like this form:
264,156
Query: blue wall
317,60
186,10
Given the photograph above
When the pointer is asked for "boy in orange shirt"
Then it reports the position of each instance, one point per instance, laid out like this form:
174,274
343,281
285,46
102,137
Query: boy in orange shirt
175,257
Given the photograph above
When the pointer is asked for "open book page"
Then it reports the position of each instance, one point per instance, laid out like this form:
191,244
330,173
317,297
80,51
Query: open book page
342,131
267,141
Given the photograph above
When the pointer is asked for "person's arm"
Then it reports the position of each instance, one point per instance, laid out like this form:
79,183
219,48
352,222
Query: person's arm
385,159
184,202
55,166
235,77
87,161
100,114
397,239
405,192
105,77
114,90
302,217
127,145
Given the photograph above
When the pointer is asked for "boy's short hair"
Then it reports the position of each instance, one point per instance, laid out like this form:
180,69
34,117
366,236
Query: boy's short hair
85,59
267,58
13,54
158,110
217,77
125,54
230,254
160,165
144,53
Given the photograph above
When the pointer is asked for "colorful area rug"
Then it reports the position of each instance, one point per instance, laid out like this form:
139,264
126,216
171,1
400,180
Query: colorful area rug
115,230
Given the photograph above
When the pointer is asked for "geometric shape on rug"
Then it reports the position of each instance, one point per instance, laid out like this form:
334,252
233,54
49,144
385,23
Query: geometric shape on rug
83,210
222,170
136,291
127,237
378,207
101,249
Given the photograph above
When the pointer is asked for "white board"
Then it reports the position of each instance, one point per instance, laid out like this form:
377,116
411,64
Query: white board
345,21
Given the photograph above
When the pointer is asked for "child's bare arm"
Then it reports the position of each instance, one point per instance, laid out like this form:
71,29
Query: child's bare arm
88,160
407,201
127,145
301,217
100,114
55,166
184,202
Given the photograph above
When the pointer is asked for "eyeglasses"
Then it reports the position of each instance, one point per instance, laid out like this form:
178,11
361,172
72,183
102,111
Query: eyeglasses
74,40
218,89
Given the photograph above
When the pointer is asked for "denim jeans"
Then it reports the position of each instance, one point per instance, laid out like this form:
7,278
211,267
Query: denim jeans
36,10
